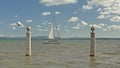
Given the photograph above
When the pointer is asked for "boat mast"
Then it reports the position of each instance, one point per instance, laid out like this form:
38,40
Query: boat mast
56,27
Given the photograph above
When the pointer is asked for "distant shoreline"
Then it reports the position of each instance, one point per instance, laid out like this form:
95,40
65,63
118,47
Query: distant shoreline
45,37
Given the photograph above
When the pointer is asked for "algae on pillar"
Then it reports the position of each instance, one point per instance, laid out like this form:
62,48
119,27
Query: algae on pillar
92,42
28,41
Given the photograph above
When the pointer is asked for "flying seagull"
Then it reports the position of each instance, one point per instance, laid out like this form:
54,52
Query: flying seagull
20,24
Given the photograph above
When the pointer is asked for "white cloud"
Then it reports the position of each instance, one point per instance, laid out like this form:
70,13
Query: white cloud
57,2
13,27
46,13
104,3
99,9
2,35
30,20
104,12
113,27
57,12
44,23
95,25
104,29
105,16
42,30
109,10
101,16
76,27
13,24
73,19
109,4
84,23
87,7
58,28
101,24
38,26
115,19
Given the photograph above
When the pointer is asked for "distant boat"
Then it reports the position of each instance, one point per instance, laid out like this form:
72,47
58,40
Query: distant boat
51,38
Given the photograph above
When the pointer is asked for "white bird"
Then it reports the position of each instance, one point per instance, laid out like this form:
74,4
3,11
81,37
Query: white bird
20,24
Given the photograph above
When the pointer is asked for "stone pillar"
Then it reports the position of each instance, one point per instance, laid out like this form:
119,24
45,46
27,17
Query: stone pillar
28,41
92,42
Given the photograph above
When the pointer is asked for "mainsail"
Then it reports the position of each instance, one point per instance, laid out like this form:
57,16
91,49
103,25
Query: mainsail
51,35
51,38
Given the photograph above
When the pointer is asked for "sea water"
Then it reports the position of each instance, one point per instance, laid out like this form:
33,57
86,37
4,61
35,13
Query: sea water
69,54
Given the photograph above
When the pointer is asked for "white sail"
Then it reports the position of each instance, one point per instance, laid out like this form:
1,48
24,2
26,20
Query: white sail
51,35
51,38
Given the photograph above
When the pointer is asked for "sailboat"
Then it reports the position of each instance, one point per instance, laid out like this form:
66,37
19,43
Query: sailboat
51,38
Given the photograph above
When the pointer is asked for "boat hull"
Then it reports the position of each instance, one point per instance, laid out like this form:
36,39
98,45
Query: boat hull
51,42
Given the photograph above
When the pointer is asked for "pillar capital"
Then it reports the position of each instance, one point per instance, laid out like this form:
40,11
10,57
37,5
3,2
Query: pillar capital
28,28
92,29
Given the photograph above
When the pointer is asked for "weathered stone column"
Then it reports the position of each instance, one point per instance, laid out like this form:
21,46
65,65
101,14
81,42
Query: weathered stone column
92,44
28,41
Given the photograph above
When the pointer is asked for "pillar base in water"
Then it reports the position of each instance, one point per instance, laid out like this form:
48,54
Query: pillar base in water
91,55
27,55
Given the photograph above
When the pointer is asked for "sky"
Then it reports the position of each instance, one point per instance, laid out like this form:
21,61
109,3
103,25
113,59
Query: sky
74,18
